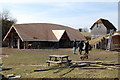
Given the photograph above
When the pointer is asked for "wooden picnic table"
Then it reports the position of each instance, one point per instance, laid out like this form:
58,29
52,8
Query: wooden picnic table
59,59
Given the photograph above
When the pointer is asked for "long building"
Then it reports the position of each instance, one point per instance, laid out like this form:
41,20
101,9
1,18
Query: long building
41,35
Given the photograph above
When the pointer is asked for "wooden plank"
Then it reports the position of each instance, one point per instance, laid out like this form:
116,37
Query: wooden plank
49,69
92,62
18,43
4,69
94,65
109,64
87,61
72,66
97,62
92,68
59,56
63,68
112,67
53,61
48,61
109,67
82,65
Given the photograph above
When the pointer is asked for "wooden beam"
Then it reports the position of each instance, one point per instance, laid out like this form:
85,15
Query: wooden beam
18,43
94,62
12,42
24,45
92,68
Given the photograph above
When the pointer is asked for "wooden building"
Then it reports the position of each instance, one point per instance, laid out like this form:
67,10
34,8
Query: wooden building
41,35
101,27
115,42
108,42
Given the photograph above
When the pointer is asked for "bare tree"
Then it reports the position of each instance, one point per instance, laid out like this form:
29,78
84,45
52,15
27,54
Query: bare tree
6,21
85,30
80,29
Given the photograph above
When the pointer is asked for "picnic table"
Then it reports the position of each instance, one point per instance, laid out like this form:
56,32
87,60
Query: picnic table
58,59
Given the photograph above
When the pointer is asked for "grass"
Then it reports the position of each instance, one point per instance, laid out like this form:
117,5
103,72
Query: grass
25,61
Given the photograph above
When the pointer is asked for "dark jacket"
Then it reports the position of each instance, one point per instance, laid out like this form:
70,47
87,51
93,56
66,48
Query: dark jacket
80,45
87,46
74,44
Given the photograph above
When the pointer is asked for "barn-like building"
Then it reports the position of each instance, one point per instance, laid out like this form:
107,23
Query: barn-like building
101,27
41,35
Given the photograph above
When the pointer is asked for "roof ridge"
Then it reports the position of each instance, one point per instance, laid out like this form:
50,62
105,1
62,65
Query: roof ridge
45,23
106,23
40,23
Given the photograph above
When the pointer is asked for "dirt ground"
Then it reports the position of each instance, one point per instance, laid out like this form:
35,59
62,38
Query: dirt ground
25,61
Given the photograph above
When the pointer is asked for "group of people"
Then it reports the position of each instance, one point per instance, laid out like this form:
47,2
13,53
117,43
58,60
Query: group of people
81,46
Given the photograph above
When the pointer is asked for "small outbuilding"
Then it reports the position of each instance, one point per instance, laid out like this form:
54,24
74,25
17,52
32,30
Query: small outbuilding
115,45
41,35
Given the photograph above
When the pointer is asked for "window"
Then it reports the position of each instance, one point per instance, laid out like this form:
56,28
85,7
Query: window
98,25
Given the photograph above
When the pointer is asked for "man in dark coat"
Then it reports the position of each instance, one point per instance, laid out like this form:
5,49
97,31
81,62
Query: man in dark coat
80,47
87,45
74,46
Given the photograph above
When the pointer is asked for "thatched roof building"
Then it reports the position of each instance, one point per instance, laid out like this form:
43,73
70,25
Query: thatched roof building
39,35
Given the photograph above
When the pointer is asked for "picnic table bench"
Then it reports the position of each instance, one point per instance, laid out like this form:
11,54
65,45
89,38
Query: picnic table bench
58,59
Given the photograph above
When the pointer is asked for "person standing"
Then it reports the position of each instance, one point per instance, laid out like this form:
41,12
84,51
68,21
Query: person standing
87,47
74,46
80,47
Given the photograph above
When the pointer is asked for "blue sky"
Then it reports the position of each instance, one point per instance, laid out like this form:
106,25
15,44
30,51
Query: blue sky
72,14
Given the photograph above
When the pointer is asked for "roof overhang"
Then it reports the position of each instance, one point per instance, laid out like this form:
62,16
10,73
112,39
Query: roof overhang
10,31
40,40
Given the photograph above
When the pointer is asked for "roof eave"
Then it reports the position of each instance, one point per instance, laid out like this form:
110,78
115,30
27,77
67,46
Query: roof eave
18,33
42,40
9,32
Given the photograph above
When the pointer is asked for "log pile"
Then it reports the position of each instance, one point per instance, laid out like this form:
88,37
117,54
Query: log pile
86,65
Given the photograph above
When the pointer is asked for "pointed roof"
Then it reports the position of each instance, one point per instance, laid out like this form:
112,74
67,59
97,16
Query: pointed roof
106,23
45,32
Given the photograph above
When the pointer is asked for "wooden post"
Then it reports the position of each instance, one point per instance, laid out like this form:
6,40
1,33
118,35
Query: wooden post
95,46
24,45
9,43
12,40
18,43
58,45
